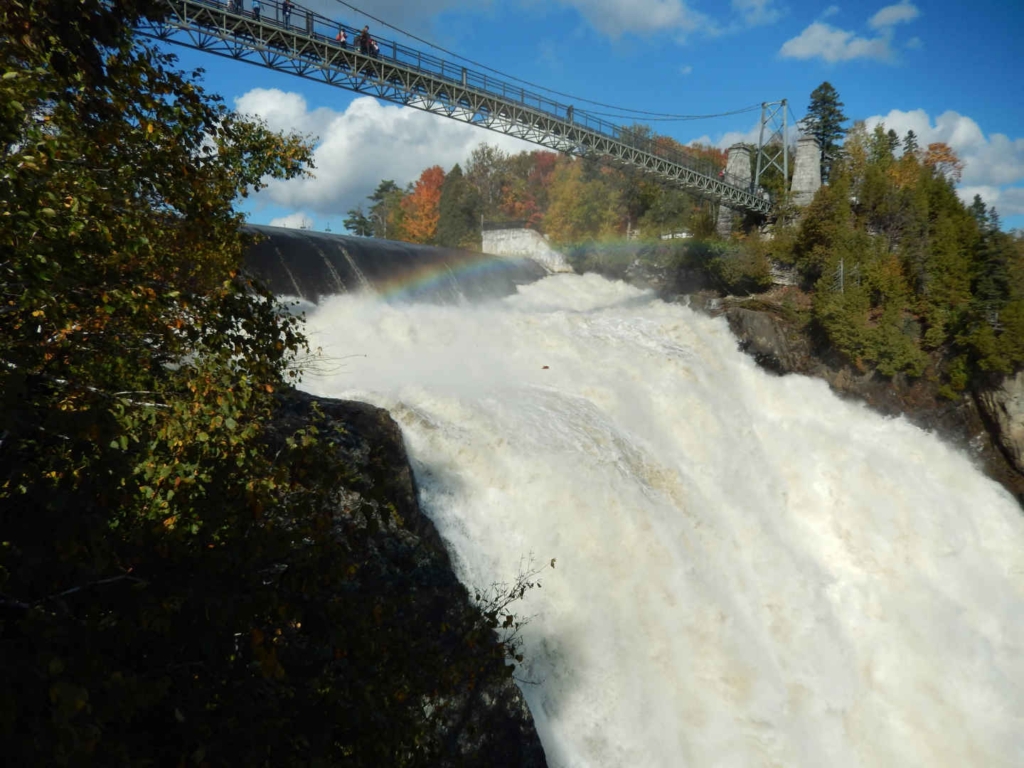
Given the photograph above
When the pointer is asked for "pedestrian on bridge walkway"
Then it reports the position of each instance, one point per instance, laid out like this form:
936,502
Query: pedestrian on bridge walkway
286,10
256,10
342,38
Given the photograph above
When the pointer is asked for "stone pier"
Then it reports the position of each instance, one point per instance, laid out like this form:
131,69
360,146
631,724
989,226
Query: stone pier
737,173
523,242
806,170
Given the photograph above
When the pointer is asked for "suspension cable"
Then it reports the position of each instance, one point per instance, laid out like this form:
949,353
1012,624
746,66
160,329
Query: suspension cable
624,112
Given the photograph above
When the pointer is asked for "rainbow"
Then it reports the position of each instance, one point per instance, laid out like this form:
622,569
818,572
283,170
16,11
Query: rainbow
453,270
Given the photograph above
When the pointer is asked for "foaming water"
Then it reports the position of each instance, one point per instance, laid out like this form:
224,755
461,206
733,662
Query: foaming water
750,571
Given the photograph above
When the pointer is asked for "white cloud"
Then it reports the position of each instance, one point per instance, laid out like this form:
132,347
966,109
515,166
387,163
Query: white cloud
757,12
831,44
824,41
359,147
686,70
894,14
613,18
915,43
726,140
993,164
284,111
750,136
297,220
616,17
1010,201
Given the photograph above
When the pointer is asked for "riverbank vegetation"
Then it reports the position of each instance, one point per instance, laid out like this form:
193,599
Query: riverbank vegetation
181,581
905,276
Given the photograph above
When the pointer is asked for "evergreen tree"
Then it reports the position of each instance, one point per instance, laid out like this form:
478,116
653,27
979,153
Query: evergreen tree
979,211
459,211
824,121
358,223
894,141
910,143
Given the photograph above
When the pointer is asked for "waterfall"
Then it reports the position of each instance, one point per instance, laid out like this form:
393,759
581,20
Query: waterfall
363,282
749,571
293,284
339,284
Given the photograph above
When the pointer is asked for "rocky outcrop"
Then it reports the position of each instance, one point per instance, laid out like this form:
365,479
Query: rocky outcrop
768,340
404,575
1003,405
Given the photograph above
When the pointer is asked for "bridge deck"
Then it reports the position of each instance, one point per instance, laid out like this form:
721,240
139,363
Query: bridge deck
306,47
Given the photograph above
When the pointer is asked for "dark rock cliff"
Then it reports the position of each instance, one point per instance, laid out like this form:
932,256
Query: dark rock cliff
483,720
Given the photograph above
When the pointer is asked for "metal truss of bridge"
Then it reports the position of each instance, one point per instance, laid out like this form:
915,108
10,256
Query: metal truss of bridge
305,45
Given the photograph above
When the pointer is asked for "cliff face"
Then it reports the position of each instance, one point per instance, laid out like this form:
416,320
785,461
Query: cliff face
472,711
1003,405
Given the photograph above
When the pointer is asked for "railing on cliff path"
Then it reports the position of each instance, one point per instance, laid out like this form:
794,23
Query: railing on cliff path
306,46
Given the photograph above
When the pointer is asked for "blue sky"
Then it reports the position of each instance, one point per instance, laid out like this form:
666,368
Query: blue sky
950,70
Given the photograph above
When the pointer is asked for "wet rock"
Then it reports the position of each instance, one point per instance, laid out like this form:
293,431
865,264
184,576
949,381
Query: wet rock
1003,405
487,723
767,340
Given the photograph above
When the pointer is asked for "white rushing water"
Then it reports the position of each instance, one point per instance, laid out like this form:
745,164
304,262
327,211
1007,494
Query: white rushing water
750,571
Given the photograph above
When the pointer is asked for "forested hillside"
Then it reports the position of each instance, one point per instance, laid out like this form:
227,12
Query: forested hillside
905,276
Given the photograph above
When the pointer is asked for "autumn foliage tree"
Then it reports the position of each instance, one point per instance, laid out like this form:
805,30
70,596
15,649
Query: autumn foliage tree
943,159
421,207
584,203
525,192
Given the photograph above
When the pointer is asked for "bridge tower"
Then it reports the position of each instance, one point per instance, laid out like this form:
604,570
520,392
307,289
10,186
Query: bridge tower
737,173
773,153
806,171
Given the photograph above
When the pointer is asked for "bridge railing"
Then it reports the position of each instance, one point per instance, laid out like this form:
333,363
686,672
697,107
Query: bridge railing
325,30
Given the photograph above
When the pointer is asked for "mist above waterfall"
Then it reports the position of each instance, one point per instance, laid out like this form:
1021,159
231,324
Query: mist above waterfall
749,571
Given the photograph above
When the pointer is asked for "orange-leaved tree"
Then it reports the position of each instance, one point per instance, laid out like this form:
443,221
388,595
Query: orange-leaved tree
944,160
421,206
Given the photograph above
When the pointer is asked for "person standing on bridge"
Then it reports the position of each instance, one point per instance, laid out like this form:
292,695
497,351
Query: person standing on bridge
286,11
342,38
256,10
364,41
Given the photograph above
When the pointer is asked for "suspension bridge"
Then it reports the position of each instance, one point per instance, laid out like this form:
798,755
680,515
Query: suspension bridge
305,44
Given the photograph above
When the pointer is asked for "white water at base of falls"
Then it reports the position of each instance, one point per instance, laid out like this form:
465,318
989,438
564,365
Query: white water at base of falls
750,571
